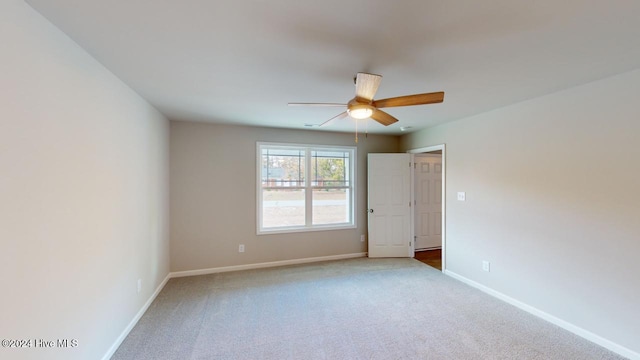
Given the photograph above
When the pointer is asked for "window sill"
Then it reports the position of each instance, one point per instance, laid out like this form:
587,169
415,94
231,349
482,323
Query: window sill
287,230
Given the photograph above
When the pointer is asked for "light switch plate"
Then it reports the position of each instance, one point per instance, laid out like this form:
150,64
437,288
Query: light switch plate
486,266
462,196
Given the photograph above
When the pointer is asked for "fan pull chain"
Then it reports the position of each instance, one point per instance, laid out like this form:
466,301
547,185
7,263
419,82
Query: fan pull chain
366,129
356,131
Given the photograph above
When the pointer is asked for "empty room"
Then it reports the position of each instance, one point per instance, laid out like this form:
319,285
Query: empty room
319,180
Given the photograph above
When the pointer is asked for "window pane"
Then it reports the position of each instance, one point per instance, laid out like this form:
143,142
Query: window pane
282,167
331,206
283,208
330,168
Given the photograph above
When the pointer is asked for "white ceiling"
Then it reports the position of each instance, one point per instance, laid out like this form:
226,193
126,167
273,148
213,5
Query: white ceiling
242,61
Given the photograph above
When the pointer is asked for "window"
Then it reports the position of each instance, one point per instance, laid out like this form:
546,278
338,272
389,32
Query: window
305,187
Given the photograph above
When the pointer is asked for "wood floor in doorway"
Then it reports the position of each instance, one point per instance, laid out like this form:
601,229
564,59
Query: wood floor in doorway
432,258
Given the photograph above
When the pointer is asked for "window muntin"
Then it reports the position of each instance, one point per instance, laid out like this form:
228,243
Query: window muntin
305,187
283,167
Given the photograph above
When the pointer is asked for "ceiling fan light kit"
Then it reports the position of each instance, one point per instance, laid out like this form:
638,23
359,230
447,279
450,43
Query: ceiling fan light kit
360,111
363,106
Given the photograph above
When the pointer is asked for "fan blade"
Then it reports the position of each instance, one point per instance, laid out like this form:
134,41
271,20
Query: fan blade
342,115
383,118
367,85
316,104
417,99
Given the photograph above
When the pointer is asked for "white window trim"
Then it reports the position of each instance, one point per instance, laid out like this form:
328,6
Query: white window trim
310,227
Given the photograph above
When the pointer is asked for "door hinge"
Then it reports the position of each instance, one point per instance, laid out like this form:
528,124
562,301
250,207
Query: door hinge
409,163
409,203
414,165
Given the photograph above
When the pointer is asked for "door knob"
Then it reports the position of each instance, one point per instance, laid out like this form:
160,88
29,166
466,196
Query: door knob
370,210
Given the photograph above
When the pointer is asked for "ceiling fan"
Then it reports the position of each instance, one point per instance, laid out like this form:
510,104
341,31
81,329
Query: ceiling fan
363,105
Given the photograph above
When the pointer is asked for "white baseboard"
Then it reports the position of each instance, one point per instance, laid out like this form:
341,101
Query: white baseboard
265,265
619,349
135,319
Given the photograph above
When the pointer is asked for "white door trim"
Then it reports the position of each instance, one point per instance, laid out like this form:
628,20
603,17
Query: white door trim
444,202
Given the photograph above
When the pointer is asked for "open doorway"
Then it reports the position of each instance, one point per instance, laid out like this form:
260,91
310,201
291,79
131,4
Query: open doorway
428,210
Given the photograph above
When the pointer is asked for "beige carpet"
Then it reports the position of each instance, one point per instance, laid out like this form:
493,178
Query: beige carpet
349,309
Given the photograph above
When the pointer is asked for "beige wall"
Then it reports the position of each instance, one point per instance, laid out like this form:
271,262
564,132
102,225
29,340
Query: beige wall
83,193
552,202
213,197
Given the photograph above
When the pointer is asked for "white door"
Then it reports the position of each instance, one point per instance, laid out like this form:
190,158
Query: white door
428,196
389,182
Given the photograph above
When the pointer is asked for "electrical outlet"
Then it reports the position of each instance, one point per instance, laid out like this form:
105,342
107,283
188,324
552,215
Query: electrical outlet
462,196
241,248
362,238
486,266
139,285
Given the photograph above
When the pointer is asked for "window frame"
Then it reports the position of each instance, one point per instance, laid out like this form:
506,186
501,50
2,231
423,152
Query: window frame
308,188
